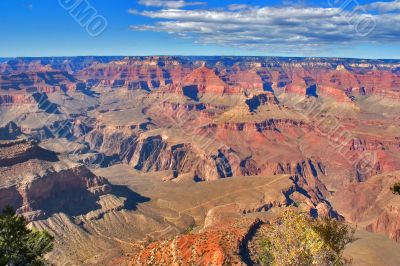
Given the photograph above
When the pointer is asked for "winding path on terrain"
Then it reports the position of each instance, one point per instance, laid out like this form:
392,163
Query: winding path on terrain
168,219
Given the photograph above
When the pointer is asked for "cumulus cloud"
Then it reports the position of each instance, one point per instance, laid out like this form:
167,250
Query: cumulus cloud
384,6
283,29
169,3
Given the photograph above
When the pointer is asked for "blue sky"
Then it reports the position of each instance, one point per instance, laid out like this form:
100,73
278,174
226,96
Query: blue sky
203,27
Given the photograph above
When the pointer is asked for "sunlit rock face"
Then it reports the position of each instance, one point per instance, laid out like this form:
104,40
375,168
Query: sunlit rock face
37,183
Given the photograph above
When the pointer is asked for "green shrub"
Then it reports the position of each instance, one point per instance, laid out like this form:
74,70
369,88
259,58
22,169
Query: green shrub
297,239
396,189
189,229
20,245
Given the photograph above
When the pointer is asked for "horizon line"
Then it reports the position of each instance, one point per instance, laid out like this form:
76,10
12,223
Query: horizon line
176,55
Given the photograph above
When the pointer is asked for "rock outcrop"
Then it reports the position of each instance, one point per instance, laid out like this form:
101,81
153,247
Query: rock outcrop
218,245
156,154
16,99
36,183
203,80
372,204
41,81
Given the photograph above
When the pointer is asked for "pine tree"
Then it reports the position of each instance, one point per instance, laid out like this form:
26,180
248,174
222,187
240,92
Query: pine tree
20,245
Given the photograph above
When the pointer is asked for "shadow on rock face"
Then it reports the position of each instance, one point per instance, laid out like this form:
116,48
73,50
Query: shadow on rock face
191,92
268,87
312,91
132,198
81,201
78,202
46,155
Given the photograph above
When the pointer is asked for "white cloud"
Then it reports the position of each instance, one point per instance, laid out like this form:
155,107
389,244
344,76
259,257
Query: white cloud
384,6
281,29
234,7
169,3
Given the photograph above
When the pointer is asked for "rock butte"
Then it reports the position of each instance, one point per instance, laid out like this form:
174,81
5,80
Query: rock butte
120,157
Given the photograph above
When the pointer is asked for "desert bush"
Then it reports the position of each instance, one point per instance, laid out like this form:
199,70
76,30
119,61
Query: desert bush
396,188
297,239
189,229
20,245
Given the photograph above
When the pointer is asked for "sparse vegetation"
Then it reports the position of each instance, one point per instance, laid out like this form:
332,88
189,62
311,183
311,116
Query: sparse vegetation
396,188
297,239
20,245
189,229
